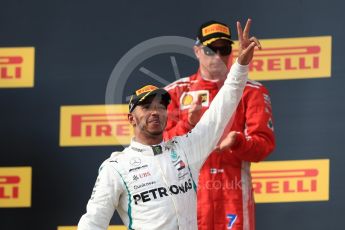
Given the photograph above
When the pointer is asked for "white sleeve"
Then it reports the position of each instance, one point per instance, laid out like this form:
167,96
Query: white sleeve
201,140
103,201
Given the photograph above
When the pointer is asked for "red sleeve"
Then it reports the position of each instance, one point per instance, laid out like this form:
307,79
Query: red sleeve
176,126
257,141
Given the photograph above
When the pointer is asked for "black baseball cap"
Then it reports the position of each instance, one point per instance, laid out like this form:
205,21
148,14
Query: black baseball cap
212,31
141,95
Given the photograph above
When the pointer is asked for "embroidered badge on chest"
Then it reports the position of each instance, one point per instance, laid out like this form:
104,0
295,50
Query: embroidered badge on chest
157,149
179,164
187,98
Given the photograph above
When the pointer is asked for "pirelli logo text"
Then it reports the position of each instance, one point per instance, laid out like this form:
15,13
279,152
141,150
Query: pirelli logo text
291,58
112,227
94,125
17,67
290,181
15,187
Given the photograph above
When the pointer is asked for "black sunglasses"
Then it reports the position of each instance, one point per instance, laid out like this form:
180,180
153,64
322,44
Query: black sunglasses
212,50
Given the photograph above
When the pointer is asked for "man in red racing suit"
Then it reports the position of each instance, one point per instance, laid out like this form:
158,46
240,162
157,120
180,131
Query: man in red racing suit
225,194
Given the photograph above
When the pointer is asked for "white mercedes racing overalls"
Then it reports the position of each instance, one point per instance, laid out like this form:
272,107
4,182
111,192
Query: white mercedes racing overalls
154,187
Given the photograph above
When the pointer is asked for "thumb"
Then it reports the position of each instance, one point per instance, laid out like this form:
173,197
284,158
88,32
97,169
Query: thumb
199,100
228,141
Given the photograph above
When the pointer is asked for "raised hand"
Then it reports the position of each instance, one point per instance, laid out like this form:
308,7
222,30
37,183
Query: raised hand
228,142
195,112
246,44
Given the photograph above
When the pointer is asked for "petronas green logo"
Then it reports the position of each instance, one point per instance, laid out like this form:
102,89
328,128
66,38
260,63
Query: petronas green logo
173,155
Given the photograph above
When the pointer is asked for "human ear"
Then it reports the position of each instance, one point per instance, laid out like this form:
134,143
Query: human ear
131,119
197,51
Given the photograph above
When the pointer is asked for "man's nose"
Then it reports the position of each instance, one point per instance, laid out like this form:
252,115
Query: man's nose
154,110
218,55
155,114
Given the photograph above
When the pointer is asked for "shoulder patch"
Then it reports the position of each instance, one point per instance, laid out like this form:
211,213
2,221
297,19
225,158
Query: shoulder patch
169,144
115,154
252,82
179,81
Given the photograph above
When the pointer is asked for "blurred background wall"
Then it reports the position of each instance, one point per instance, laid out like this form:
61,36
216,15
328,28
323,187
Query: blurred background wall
70,51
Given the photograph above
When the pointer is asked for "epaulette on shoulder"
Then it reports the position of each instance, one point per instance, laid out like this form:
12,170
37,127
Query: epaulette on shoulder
253,83
170,143
181,82
116,154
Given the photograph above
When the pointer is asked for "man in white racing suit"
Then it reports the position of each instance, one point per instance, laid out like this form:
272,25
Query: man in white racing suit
151,183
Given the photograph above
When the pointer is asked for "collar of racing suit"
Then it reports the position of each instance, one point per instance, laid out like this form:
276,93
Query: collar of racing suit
148,149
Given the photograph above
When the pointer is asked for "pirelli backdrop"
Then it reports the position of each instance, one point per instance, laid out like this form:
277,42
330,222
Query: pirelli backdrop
66,68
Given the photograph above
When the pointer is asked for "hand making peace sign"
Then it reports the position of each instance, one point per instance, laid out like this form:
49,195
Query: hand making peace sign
246,44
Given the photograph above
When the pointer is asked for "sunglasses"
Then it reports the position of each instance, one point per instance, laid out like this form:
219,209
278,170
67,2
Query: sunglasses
212,50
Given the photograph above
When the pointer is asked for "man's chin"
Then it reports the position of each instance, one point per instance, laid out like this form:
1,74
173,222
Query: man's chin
156,132
219,71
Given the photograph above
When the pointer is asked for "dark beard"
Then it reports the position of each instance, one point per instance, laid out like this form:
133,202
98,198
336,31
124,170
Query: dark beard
157,133
144,129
